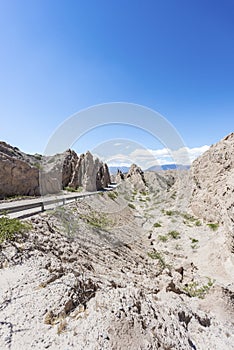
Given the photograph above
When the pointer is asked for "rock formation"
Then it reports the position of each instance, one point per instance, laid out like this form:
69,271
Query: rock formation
213,184
23,174
135,175
119,176
19,173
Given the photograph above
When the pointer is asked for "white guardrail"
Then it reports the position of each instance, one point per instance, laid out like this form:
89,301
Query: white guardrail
28,207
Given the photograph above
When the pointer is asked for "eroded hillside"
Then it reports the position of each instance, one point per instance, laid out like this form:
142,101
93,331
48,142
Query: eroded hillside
126,269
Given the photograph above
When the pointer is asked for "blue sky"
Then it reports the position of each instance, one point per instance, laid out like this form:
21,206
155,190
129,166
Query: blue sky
58,57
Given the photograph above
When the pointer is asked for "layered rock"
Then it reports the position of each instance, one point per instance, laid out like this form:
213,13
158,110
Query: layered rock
213,184
23,174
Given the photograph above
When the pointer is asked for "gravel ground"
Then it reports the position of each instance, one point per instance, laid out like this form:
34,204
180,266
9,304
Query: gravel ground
133,271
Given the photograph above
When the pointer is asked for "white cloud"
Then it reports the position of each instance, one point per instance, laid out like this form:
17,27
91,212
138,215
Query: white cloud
146,158
120,164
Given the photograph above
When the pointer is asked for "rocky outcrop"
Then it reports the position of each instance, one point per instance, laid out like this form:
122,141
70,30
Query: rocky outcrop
23,174
19,173
213,184
119,176
135,176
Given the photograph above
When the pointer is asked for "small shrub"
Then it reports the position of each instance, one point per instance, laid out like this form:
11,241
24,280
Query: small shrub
169,212
132,206
194,246
37,165
194,290
9,227
162,238
194,240
144,193
157,255
173,196
213,226
112,194
174,234
198,223
98,220
71,189
38,156
188,217
157,224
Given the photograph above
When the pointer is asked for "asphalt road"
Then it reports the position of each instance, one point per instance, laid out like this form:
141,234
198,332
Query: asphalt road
27,207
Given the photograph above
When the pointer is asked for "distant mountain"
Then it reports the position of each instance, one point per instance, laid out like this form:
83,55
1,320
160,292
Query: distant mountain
168,167
113,169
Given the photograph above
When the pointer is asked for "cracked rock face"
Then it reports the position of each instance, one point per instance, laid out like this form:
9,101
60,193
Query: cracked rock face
32,175
213,184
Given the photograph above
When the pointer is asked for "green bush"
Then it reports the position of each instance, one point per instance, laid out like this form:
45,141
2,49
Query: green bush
169,212
144,193
194,290
157,224
71,189
198,223
38,156
173,196
10,227
188,217
37,165
98,220
213,226
132,206
113,195
194,240
157,255
174,234
162,238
